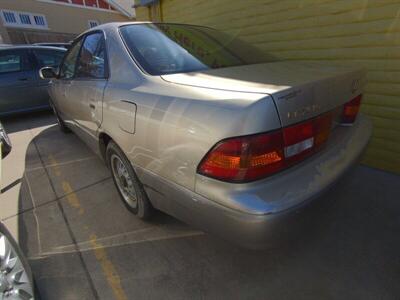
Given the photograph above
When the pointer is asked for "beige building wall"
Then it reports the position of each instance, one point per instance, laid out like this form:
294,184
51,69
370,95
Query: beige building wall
3,34
64,22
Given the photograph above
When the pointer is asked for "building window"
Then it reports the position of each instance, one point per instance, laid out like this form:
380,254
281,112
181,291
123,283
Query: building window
23,19
9,17
39,20
93,23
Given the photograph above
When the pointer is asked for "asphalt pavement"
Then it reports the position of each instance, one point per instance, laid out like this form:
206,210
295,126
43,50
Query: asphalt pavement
82,243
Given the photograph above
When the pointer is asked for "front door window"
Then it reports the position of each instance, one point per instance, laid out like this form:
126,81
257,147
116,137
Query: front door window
67,70
91,62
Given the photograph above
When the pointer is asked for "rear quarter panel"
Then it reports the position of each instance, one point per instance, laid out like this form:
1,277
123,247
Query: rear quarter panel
175,126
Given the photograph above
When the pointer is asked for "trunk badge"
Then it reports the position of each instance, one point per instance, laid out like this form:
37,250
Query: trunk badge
303,111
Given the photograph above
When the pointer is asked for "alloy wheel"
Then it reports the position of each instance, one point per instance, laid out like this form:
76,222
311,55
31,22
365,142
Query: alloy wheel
14,278
124,181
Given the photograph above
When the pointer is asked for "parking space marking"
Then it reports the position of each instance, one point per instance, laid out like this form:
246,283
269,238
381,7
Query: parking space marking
100,253
56,165
109,270
22,211
34,213
126,238
72,198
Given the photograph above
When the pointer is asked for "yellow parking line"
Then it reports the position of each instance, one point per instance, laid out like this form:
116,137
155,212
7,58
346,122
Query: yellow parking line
72,198
100,253
54,164
108,268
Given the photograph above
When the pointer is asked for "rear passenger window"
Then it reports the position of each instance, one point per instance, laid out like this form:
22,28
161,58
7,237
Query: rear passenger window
91,62
10,63
14,61
48,58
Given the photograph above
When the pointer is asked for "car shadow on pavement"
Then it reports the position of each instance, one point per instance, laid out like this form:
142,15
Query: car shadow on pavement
68,205
37,119
82,243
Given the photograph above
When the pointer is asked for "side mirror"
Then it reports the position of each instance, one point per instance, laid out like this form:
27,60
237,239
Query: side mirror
47,73
5,143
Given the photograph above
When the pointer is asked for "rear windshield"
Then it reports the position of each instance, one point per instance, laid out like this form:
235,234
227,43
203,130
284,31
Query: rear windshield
171,48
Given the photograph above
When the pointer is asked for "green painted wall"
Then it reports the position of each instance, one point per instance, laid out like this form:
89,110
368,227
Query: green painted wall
361,32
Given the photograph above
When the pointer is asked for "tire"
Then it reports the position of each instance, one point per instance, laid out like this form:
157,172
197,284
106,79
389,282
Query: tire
61,124
20,265
129,187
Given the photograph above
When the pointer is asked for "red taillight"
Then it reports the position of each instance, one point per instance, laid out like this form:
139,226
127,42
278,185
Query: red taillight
298,140
249,158
305,138
244,158
350,110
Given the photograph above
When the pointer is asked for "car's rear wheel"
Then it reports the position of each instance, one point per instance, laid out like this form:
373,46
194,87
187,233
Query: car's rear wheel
128,185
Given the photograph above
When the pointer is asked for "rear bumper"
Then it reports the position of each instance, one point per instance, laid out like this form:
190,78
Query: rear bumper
254,215
297,184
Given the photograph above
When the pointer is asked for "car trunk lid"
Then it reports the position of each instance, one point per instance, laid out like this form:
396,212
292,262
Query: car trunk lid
300,90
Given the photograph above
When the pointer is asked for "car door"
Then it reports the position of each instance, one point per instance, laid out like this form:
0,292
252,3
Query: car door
17,82
60,86
85,94
45,58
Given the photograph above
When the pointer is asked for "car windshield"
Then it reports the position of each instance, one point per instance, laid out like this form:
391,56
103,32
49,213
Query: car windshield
171,48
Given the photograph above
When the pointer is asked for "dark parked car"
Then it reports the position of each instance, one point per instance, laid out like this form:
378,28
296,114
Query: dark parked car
21,88
60,45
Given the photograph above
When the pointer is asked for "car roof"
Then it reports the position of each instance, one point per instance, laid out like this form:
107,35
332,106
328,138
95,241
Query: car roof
119,24
11,47
111,25
51,43
116,25
62,45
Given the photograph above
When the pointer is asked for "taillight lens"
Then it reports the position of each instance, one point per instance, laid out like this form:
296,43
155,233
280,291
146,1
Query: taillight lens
244,158
299,140
305,138
248,158
350,110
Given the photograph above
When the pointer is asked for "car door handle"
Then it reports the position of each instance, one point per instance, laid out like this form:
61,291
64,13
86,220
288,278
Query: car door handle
23,79
92,106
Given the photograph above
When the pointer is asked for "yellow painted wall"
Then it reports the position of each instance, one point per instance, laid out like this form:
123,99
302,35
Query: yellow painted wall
361,32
